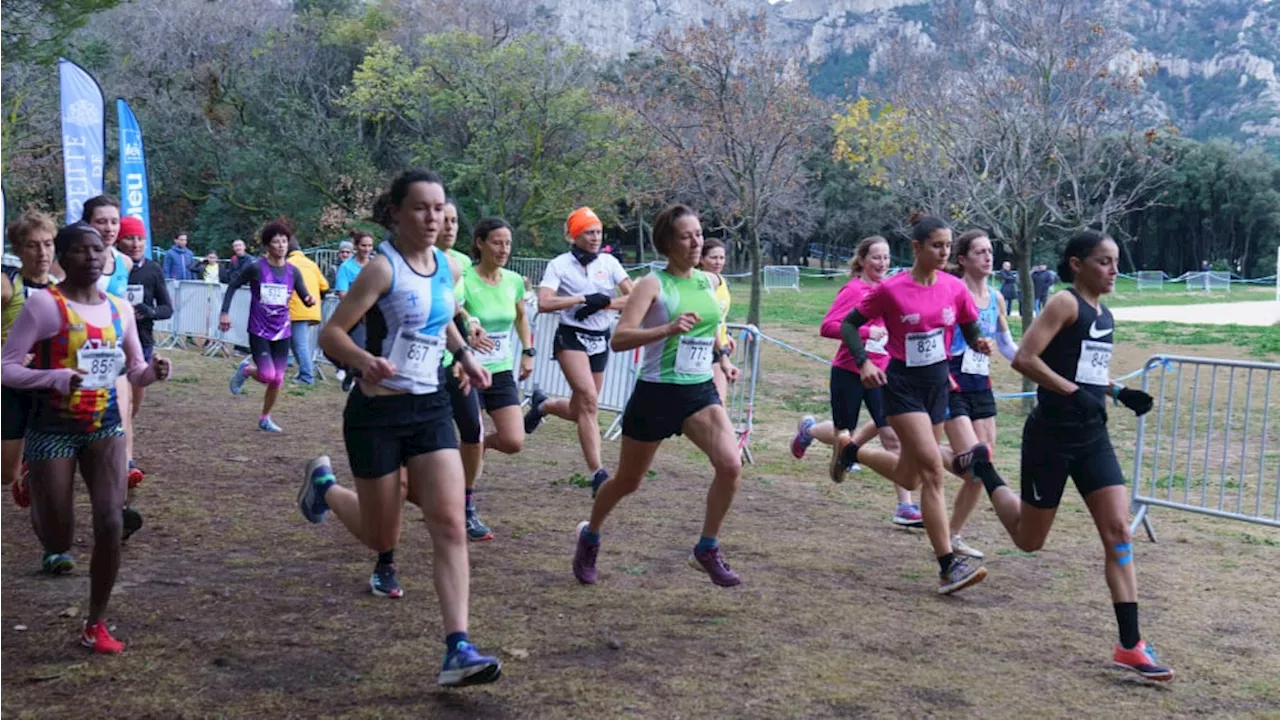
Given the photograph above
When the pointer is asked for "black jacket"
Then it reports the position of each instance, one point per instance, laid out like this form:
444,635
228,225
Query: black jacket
155,304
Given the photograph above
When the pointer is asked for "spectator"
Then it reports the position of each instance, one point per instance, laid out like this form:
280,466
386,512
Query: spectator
1042,280
305,320
240,259
207,269
352,266
345,250
179,259
1009,288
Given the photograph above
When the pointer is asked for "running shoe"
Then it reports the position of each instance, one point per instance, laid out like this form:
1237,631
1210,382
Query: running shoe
855,468
477,531
266,424
1141,658
310,498
57,563
838,467
98,638
908,515
21,489
132,522
383,581
712,563
135,475
533,418
960,547
963,462
463,666
598,478
348,382
963,573
802,439
584,558
239,378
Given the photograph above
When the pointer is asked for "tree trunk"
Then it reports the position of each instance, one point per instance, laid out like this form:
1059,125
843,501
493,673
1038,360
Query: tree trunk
1022,261
753,249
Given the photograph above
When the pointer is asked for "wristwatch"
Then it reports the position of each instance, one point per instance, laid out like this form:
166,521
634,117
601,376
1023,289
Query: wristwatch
529,352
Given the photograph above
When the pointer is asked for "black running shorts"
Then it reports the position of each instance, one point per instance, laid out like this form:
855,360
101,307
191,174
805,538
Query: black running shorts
383,432
918,390
502,392
583,341
975,405
466,408
848,396
656,411
1051,452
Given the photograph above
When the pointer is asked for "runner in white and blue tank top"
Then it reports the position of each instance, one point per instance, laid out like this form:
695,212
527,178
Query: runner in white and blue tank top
398,416
971,406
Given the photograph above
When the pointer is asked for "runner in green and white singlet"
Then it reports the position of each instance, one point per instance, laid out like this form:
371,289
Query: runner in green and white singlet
674,315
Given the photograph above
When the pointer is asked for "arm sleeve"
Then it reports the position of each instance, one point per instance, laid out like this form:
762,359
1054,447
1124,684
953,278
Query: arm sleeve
249,275
37,321
136,368
160,293
852,338
551,277
972,332
1008,348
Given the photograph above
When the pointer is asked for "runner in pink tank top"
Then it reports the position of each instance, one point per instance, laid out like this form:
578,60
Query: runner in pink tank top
921,309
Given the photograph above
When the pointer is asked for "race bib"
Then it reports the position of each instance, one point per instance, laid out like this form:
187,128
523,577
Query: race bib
274,294
878,346
593,344
501,349
101,366
925,348
975,363
693,355
417,357
134,294
1094,367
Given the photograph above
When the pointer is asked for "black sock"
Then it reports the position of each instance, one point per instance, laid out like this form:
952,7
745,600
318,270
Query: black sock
388,557
849,455
944,561
1127,618
986,472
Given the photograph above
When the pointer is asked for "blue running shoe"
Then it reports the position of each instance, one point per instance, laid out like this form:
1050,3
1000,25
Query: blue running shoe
266,424
57,563
598,478
318,479
237,380
802,439
464,666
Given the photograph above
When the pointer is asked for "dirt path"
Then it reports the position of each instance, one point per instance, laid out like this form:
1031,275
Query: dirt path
234,606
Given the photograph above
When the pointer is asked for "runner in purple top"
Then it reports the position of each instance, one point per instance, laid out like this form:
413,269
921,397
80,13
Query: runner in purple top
271,281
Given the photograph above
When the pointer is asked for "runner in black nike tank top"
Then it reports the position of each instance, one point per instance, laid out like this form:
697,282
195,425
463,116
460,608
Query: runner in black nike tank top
1067,353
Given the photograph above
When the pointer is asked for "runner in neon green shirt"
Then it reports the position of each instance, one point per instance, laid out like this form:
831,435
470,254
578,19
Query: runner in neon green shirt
673,314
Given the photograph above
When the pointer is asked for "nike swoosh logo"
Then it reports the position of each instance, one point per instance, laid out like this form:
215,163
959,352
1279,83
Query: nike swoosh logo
1095,333
1035,493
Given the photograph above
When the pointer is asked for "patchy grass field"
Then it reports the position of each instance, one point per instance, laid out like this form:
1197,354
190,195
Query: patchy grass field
234,606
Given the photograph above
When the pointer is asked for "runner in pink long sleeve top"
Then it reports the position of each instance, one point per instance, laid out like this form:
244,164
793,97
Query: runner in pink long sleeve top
873,333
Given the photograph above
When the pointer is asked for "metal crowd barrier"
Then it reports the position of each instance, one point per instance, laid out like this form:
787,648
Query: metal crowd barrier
531,268
781,277
1209,445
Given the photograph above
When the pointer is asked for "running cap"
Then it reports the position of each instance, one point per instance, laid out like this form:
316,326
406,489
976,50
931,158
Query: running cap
131,226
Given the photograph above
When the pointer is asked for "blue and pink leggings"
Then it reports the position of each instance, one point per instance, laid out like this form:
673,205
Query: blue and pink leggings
271,358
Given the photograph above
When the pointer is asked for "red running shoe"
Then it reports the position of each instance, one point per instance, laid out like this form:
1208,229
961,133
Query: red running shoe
1141,659
135,475
97,638
21,491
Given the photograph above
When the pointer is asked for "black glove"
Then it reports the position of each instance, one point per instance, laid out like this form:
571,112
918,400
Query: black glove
1089,404
1136,400
597,301
144,312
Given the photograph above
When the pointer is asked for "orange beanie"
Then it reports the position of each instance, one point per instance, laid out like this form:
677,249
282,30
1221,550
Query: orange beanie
580,221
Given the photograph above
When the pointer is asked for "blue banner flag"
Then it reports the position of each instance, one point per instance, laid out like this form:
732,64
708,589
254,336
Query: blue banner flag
83,136
134,198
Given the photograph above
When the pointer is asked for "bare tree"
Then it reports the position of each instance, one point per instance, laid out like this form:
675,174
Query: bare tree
730,122
1026,116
